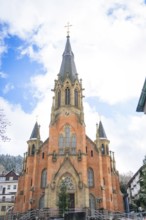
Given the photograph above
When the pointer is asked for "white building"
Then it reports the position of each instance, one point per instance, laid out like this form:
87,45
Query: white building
133,187
8,189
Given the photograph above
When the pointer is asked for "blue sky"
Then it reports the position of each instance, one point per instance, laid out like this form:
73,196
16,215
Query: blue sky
17,71
108,41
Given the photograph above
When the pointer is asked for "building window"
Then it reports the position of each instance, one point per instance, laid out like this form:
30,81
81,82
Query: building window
59,98
11,178
68,182
3,208
61,143
90,178
91,153
14,186
73,144
107,150
12,198
92,202
42,202
8,187
33,150
44,178
4,190
67,141
3,198
31,182
76,97
67,136
43,155
102,149
103,181
67,96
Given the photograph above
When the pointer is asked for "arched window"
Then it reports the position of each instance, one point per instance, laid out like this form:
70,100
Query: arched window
29,151
33,150
102,149
67,136
73,144
59,98
107,150
44,178
42,202
92,203
90,177
76,97
61,143
43,155
67,96
67,141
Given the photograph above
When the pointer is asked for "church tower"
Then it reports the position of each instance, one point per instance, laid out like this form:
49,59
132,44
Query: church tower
68,156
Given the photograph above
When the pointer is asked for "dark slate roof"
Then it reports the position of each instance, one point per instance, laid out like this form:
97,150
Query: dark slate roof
68,68
101,131
35,132
142,99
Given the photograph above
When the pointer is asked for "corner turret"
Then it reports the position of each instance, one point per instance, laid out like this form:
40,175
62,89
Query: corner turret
34,141
101,139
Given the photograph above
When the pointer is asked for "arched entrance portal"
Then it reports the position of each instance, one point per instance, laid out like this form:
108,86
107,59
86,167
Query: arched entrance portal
68,186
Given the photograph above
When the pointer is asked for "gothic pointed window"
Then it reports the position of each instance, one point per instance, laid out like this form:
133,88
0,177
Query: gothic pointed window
61,143
59,98
42,202
107,150
90,178
76,97
67,141
33,150
67,136
73,144
44,178
67,96
92,202
102,149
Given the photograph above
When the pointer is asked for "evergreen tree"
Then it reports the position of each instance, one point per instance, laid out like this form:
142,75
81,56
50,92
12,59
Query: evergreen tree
144,160
142,193
63,198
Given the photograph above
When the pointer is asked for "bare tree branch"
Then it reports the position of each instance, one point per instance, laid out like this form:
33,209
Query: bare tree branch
4,123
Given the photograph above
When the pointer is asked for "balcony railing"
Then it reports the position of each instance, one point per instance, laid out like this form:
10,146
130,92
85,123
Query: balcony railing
7,199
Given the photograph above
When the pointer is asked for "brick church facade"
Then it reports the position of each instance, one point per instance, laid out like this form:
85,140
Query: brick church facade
68,155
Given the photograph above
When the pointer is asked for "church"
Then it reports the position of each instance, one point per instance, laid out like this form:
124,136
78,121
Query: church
68,156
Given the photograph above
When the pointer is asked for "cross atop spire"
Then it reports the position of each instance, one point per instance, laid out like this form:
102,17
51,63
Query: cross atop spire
68,26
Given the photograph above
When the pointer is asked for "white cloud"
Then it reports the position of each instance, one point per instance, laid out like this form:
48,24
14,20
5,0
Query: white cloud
8,87
3,75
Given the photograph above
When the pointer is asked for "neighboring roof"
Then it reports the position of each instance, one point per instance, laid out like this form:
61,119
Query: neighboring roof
101,131
35,132
68,68
12,173
142,99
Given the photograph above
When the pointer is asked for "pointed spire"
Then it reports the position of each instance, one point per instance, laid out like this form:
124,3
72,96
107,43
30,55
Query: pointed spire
35,132
68,68
101,131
